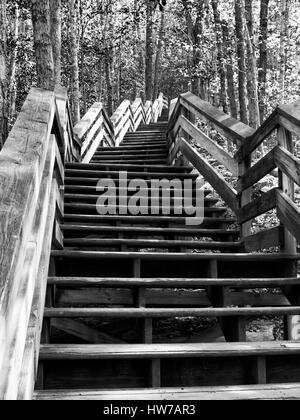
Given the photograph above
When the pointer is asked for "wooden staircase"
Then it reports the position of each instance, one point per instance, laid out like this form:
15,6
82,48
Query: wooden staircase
120,276
145,306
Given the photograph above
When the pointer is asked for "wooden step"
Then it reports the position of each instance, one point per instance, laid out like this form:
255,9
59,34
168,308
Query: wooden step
96,174
146,313
173,282
90,189
81,208
162,351
239,257
123,148
130,156
138,168
146,220
134,162
149,231
150,243
124,152
77,198
225,393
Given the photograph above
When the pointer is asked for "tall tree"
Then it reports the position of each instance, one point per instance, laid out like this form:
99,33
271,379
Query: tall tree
195,31
56,20
241,55
3,74
158,55
11,90
221,67
40,11
284,42
263,56
75,89
252,84
149,50
228,56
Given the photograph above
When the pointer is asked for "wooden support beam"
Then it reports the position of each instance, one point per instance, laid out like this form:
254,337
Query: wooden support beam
209,145
262,168
288,164
84,332
263,240
210,175
223,123
257,207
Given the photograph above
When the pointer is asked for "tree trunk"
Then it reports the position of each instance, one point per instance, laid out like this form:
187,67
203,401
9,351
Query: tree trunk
40,11
149,51
75,93
55,10
263,57
284,40
220,58
252,85
229,70
12,91
157,68
240,34
109,87
195,31
3,74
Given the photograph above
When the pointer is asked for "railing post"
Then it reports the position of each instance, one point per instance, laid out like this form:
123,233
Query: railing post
288,241
244,197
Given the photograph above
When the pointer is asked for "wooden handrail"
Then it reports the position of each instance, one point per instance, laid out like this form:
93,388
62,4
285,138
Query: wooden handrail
285,119
31,167
97,129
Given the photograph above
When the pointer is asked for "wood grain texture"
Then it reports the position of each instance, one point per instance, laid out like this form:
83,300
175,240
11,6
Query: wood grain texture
257,207
226,125
211,176
21,166
232,393
209,145
263,240
289,214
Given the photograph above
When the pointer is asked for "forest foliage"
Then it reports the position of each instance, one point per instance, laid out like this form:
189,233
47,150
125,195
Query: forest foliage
240,55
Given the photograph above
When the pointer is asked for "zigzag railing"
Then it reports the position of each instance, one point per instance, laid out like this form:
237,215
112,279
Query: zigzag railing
97,129
32,165
184,134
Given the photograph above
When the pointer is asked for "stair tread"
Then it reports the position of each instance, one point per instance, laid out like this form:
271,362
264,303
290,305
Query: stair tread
82,242
78,173
246,392
142,351
144,313
174,255
172,282
151,230
157,168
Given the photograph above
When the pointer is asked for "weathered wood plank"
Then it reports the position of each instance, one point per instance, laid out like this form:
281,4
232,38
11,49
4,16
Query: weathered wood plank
26,271
84,332
211,176
288,213
255,140
185,350
226,125
172,282
209,145
142,313
257,207
21,167
289,117
288,163
31,353
262,168
263,240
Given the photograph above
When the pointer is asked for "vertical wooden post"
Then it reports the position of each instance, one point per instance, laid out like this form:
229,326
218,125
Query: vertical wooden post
245,196
145,325
289,243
